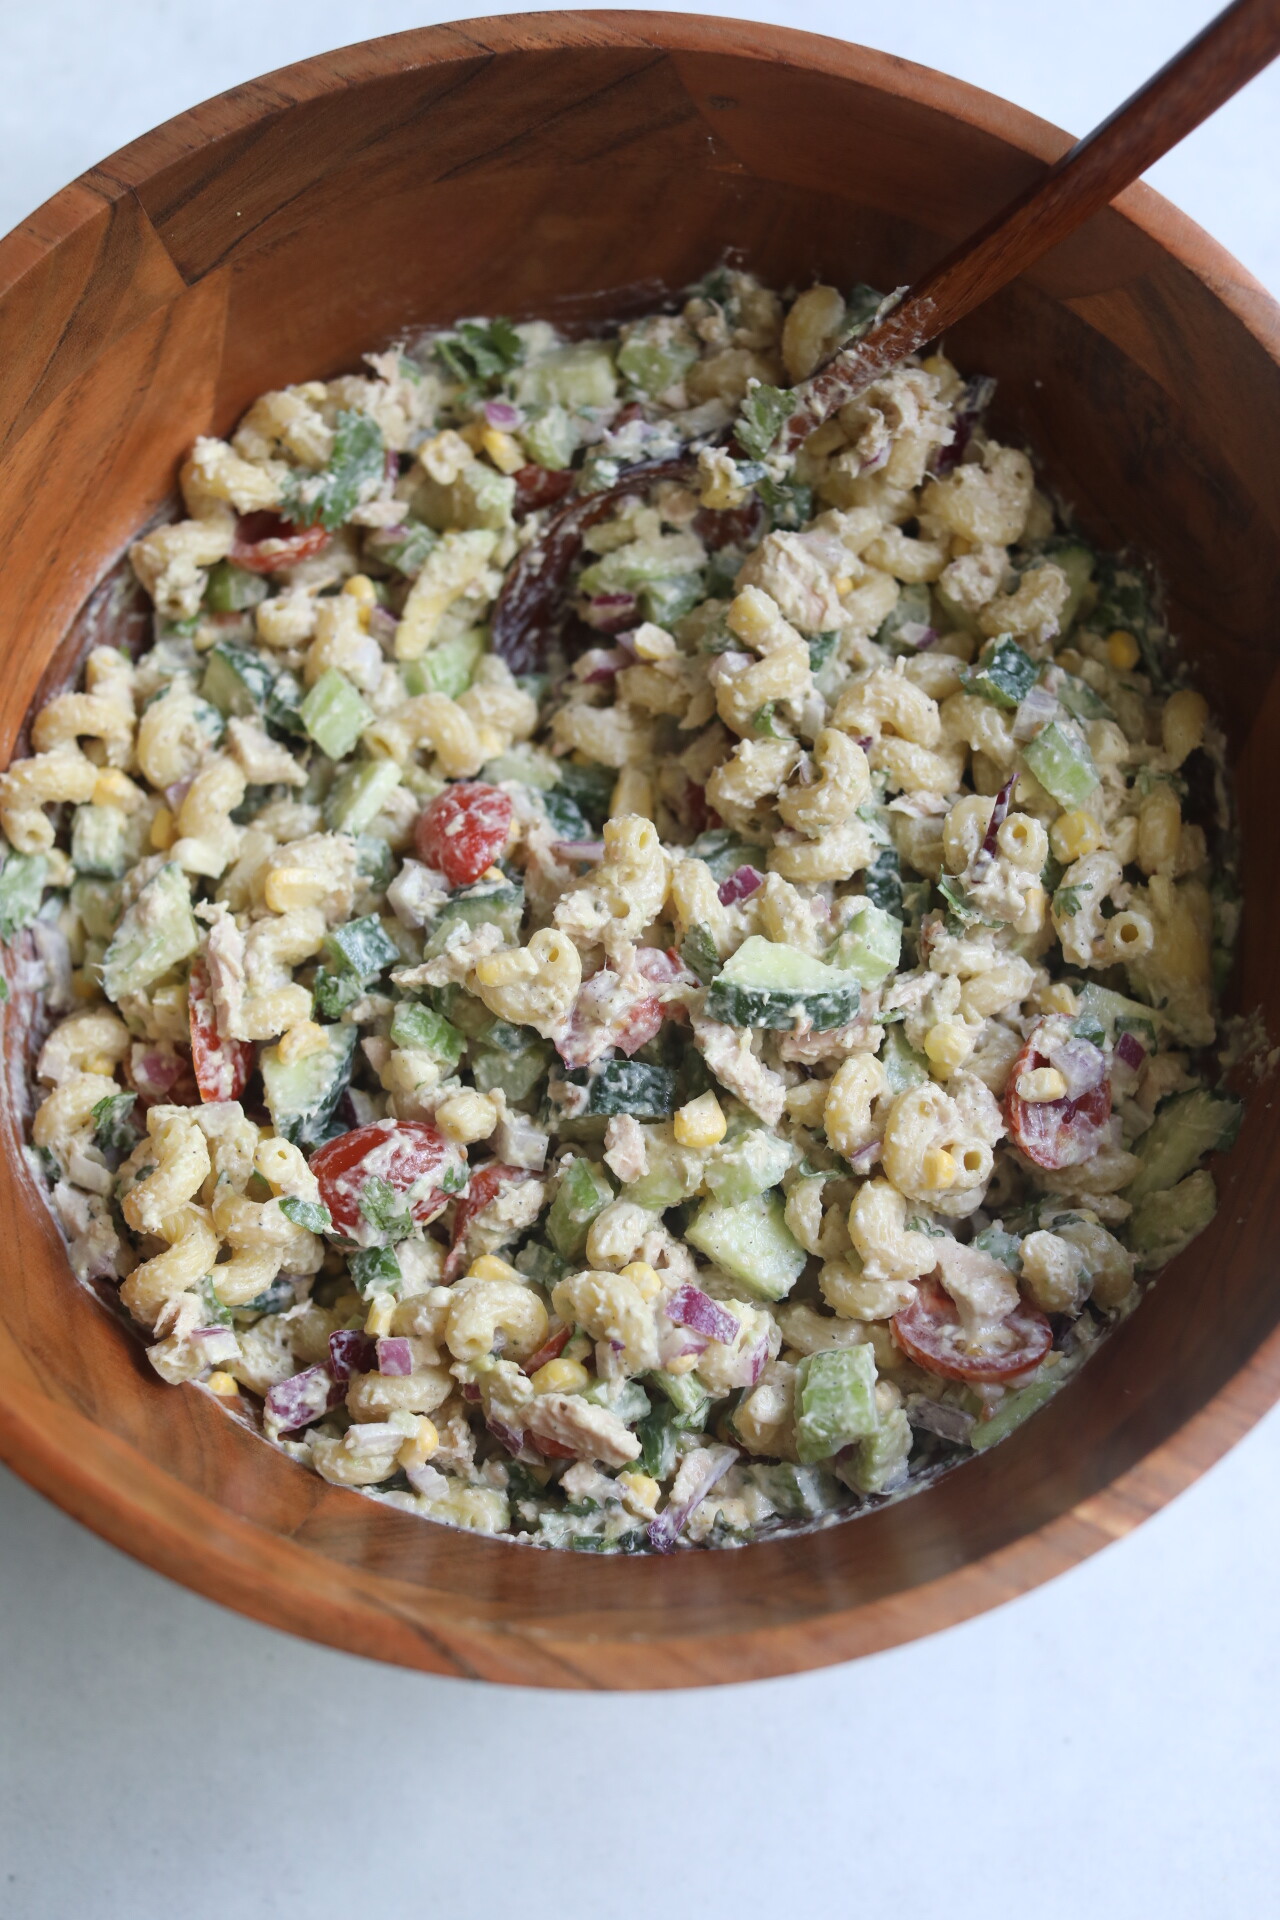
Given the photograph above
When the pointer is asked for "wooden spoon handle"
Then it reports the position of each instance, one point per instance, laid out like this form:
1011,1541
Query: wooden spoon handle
1244,38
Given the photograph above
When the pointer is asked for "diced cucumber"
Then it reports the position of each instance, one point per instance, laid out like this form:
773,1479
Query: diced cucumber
236,681
674,1174
501,907
1002,1246
666,601
1004,674
375,861
954,613
566,818
903,1066
628,1086
334,715
590,786
157,932
1164,1223
768,984
724,851
752,1242
1186,1127
1077,562
98,904
233,589
362,947
1110,1013
689,1399
581,375
21,888
749,1161
584,1191
550,437
469,1015
480,496
358,796
356,465
879,1463
406,548
912,609
870,946
657,352
700,953
629,569
882,882
301,1094
1012,1411
797,1493
101,842
625,1398
449,667
514,1069
835,1401
422,1028
529,765
1080,700
539,1263
1061,763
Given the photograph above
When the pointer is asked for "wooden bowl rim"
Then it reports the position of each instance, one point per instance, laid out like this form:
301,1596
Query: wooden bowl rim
125,1498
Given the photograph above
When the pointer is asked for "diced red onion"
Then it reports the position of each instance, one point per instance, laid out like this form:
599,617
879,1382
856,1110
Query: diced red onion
915,633
740,885
1131,1050
745,1368
395,1356
866,1157
507,1436
308,1396
1034,713
599,664
503,415
383,624
611,612
469,1390
350,1351
698,1473
216,1344
587,850
864,741
1082,1065
676,1342
999,813
880,458
977,398
176,794
691,1307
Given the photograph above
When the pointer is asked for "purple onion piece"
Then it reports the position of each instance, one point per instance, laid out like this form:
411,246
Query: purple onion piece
1033,713
590,851
308,1396
915,633
383,624
999,813
1082,1065
1131,1050
350,1351
740,885
506,1436
176,794
395,1356
866,1157
698,1474
503,415
599,664
691,1307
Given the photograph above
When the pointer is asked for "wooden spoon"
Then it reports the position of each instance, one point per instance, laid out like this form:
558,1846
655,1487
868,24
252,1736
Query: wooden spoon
1244,38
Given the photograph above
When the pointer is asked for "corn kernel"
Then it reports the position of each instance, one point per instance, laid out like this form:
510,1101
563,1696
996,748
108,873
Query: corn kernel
645,1277
683,1363
653,642
1075,834
224,1384
420,1445
162,830
490,1267
701,1122
1059,998
1123,651
115,789
471,435
505,451
467,1116
844,584
1182,723
560,1376
377,1322
948,1044
100,1063
640,1492
362,590
301,1039
938,1169
632,793
1038,1084
288,887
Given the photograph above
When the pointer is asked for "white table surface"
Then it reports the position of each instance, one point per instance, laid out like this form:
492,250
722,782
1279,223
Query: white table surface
1106,1746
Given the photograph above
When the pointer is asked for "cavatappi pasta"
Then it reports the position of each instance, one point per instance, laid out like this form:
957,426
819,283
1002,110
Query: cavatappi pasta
608,985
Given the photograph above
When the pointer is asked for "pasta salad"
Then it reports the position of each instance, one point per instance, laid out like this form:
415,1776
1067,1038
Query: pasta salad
611,983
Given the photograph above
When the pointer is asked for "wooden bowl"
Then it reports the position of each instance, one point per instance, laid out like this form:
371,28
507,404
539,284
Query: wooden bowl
577,164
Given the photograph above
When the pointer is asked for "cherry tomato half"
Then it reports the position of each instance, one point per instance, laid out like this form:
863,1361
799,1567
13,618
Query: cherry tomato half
486,1184
222,1066
1055,1133
265,543
463,830
929,1332
407,1154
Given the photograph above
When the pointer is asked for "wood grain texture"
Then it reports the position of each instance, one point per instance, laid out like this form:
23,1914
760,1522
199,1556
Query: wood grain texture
582,163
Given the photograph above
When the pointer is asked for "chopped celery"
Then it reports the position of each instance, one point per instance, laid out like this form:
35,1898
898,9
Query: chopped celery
21,886
358,796
448,668
666,601
760,416
1186,1127
1004,674
750,1161
797,1493
157,932
1162,1224
879,1463
1011,1413
405,548
584,1192
232,589
334,714
835,1401
479,496
688,1397
362,947
871,944
903,1066
657,352
581,375
1060,762
413,1025
102,841
550,437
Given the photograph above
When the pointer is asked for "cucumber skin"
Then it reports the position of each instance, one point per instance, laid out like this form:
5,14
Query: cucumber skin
306,1126
782,1007
503,908
1185,1128
628,1086
1165,1222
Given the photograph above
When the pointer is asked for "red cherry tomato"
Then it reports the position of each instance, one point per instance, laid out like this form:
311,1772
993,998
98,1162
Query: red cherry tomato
486,1184
929,1332
265,543
464,830
222,1067
407,1154
540,487
1055,1133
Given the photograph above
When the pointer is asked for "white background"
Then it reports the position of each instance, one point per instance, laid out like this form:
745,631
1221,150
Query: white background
1105,1747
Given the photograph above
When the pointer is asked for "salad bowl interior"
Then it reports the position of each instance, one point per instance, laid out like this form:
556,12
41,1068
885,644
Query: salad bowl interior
578,166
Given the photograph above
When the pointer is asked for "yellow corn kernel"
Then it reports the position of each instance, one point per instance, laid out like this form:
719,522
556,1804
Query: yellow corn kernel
420,1445
101,1063
1059,998
938,1169
473,434
560,1376
362,590
640,1491
632,793
506,969
683,1363
467,1116
701,1122
224,1384
58,870
162,829
490,1267
948,1044
653,643
300,1040
115,789
505,451
1123,651
645,1277
1074,834
1182,724
289,887
1041,1083
377,1322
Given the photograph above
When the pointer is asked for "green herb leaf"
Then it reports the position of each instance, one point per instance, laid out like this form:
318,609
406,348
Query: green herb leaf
476,351
760,416
384,1208
1067,900
701,954
332,496
821,648
789,504
113,1128
373,1270
311,1214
